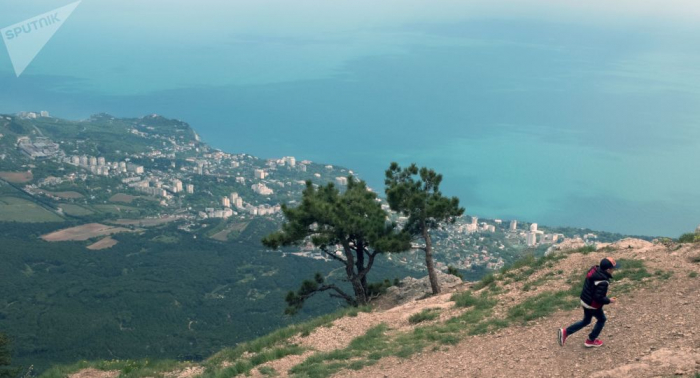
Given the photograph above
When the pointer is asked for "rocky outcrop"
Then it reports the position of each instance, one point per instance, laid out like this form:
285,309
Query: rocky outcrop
411,288
566,245
632,243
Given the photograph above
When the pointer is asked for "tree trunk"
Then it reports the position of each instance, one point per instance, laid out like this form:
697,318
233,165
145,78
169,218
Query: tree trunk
429,262
360,264
360,295
354,278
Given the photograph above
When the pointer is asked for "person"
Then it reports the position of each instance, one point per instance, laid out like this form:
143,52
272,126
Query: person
593,297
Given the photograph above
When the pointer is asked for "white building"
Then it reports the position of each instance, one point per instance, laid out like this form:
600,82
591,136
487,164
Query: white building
341,180
513,225
226,202
239,202
533,227
260,174
177,186
133,168
75,160
261,189
101,161
240,180
531,239
93,160
190,189
84,161
233,196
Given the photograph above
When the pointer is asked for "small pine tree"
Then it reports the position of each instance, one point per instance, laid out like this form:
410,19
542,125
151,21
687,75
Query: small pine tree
352,220
416,194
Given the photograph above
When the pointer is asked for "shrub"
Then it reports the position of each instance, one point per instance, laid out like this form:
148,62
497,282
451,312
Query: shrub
466,299
425,315
379,288
693,274
689,238
455,272
586,250
488,279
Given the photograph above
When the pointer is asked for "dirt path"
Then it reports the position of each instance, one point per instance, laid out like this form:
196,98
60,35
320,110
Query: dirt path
654,331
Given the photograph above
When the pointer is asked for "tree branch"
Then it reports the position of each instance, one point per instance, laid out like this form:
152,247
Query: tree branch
334,256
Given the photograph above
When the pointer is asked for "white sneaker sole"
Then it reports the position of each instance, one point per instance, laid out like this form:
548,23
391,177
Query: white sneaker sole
592,346
561,337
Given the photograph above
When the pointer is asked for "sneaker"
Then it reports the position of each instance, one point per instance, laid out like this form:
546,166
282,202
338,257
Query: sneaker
593,344
562,336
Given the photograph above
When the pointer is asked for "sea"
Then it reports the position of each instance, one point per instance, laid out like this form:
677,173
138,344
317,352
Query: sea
582,115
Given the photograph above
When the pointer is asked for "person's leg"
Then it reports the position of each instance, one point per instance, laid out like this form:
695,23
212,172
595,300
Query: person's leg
600,323
587,315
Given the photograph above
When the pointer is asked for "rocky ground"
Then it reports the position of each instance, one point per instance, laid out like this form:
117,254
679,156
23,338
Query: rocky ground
651,332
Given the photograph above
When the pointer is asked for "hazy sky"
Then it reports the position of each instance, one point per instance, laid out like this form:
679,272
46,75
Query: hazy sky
317,38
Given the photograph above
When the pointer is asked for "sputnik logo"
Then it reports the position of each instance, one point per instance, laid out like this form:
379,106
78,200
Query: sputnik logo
24,40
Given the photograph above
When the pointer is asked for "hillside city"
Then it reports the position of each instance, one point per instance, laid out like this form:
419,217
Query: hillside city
173,176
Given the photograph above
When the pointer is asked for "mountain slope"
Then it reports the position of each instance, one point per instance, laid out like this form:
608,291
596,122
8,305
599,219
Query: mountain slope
504,326
652,331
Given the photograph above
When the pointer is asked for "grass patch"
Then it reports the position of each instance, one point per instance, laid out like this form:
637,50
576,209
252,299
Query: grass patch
692,274
585,250
127,368
13,209
376,344
267,371
543,304
363,351
664,275
423,316
633,270
488,280
467,299
267,348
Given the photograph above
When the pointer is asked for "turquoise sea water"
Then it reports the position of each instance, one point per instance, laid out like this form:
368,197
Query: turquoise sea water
561,116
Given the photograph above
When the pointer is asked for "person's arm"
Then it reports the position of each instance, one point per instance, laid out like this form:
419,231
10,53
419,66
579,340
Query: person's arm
601,292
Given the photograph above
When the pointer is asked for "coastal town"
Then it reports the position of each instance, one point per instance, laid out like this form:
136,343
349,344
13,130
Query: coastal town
167,174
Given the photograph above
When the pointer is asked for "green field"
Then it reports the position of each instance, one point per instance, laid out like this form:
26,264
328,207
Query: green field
13,209
75,210
117,209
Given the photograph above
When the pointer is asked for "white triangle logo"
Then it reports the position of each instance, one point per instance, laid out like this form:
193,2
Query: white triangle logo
24,40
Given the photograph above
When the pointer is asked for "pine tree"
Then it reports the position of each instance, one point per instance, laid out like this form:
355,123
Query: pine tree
416,194
352,220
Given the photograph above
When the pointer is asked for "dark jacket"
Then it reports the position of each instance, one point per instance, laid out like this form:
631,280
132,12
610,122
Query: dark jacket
595,289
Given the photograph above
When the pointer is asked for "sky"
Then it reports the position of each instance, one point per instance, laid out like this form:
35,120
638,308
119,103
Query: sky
557,112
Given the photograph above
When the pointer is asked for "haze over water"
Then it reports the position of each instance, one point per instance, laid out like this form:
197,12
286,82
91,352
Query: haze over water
578,115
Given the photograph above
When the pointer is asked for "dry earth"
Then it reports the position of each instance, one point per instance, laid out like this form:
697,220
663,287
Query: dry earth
145,222
17,177
62,195
84,232
651,332
104,243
